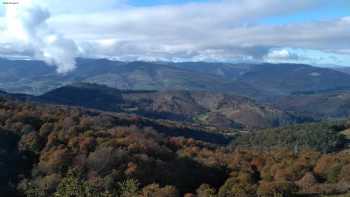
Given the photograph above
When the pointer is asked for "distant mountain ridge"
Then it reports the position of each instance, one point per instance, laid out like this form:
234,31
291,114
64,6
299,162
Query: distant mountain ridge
258,81
285,79
34,77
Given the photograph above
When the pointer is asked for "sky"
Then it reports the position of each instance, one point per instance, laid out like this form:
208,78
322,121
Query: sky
314,32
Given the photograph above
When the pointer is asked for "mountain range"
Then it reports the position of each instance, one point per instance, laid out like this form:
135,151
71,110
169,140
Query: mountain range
202,107
258,81
223,95
173,129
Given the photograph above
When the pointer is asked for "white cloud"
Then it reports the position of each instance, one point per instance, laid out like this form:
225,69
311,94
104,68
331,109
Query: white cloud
281,55
223,30
306,56
26,30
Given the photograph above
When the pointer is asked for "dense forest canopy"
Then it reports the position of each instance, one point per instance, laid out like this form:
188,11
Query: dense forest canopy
52,150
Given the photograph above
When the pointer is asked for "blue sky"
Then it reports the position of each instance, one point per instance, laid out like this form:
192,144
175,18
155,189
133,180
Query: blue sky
326,11
316,32
160,2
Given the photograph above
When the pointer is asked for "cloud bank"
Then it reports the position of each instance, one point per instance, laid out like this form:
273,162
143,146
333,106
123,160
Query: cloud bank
222,30
26,29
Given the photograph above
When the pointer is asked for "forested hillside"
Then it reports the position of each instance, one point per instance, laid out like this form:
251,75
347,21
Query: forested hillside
201,107
60,151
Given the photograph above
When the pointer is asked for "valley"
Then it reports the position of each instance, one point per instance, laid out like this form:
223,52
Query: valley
138,125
